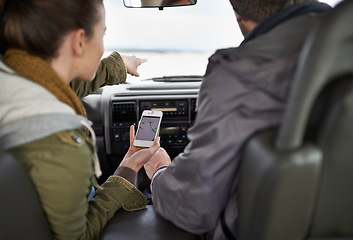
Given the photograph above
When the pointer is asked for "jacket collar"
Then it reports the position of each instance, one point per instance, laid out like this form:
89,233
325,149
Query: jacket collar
287,14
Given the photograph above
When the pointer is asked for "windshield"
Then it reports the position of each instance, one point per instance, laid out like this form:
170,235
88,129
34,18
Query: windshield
177,40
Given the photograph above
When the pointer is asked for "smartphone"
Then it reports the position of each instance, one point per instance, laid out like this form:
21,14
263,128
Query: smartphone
148,128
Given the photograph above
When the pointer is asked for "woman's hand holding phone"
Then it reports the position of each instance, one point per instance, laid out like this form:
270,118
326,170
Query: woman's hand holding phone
136,157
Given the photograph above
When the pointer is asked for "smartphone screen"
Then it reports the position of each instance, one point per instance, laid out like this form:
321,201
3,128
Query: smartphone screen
148,128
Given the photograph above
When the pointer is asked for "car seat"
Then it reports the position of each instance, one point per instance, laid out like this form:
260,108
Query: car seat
296,182
21,215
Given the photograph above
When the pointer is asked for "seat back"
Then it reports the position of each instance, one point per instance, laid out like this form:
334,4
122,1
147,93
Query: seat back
296,181
21,215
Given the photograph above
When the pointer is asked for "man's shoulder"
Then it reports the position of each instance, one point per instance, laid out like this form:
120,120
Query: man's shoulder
283,40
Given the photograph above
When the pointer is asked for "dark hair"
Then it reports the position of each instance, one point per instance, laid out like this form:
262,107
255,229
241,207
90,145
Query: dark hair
38,26
259,10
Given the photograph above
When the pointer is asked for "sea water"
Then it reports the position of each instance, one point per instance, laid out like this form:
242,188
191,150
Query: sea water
168,63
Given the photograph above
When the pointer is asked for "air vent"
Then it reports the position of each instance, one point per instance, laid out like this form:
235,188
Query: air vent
124,112
193,109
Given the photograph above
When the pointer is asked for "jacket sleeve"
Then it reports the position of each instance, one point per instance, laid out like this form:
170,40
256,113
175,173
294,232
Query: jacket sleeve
61,168
193,190
111,70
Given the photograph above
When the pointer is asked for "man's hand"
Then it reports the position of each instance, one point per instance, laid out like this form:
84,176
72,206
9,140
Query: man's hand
136,157
159,159
132,63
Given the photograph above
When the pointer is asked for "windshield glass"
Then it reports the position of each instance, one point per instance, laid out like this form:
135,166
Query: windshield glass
177,40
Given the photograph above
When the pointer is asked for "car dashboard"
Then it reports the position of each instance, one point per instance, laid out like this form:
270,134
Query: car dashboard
113,109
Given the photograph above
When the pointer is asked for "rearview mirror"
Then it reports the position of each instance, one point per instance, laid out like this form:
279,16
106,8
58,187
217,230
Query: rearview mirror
157,3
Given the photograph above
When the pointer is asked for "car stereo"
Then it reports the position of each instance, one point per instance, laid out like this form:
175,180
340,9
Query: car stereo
178,115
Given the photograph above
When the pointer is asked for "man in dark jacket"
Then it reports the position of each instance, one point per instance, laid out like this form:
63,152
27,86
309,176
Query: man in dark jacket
244,90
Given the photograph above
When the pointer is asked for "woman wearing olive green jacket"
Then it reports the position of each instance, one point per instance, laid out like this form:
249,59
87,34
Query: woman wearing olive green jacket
45,45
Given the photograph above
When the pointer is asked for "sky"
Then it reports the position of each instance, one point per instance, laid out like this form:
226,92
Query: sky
203,27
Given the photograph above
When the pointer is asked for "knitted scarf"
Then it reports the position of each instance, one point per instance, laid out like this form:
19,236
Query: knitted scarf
40,72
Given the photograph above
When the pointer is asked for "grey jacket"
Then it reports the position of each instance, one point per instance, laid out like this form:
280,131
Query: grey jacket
244,90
